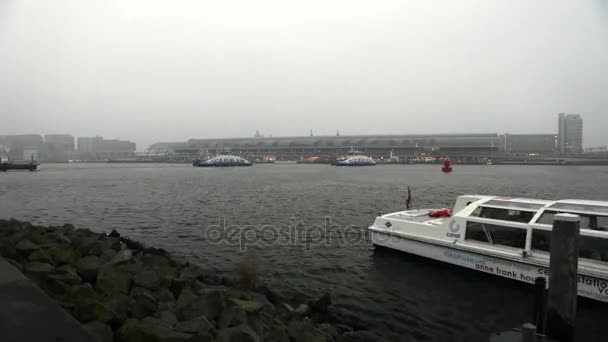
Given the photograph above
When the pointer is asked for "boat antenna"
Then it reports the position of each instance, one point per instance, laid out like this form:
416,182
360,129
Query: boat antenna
408,201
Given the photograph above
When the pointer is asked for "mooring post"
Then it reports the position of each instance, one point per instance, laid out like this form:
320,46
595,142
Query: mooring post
563,277
528,332
540,304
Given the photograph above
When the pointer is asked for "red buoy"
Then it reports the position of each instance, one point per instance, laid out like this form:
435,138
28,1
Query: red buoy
447,166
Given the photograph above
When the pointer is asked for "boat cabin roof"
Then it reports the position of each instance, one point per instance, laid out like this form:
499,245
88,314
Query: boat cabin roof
531,204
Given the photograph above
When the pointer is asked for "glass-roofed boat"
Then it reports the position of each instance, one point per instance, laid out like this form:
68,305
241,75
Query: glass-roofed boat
508,237
356,161
222,161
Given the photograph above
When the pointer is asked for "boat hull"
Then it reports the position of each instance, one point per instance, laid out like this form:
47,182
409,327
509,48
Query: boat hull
588,286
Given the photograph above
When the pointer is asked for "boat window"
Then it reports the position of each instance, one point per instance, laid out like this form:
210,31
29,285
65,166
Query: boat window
591,247
511,215
513,204
496,234
567,207
593,222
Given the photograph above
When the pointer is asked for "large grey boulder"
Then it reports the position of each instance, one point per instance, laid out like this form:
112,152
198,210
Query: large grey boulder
112,280
62,255
122,256
88,267
148,279
26,246
194,326
168,318
209,305
38,271
40,256
100,330
142,304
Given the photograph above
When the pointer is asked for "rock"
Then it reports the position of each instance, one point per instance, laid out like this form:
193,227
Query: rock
63,255
288,307
101,331
57,286
209,305
119,304
8,250
304,331
94,311
88,267
26,246
148,279
302,310
89,245
66,275
122,256
232,316
277,333
202,337
242,333
83,294
163,295
329,330
167,306
40,256
107,255
111,280
134,330
168,318
37,271
358,336
142,305
194,326
185,297
249,306
114,233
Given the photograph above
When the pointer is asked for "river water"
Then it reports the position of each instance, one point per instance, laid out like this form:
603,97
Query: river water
305,226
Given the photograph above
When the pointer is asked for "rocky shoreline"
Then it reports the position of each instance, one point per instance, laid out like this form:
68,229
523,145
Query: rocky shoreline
120,290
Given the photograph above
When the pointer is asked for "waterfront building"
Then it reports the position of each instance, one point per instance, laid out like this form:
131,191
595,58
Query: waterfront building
58,147
570,133
100,149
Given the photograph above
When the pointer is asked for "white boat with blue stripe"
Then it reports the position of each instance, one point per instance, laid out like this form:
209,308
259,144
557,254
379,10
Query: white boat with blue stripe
504,236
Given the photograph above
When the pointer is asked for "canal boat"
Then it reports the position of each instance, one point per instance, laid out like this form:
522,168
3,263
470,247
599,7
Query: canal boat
503,236
222,161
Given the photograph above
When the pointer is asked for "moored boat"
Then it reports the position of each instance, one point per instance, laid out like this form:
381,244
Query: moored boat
508,237
222,161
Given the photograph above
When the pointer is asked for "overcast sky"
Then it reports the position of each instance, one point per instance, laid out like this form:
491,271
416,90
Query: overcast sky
152,71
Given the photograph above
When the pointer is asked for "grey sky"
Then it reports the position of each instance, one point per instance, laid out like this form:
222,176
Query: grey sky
152,71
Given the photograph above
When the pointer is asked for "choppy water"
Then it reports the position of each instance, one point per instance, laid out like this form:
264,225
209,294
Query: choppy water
180,208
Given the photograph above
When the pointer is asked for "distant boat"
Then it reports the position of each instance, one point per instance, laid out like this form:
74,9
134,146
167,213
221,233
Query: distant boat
356,161
222,161
489,162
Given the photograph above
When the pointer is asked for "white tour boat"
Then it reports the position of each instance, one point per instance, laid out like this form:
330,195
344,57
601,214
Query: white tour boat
508,237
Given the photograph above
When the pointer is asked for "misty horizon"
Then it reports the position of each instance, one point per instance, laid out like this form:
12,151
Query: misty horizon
158,71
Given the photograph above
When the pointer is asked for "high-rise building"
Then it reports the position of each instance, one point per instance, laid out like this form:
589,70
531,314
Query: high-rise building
570,133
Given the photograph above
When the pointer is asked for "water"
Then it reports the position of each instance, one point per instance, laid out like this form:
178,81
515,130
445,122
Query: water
180,208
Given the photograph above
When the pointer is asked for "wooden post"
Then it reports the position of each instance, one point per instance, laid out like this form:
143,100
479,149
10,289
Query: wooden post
528,333
563,277
540,305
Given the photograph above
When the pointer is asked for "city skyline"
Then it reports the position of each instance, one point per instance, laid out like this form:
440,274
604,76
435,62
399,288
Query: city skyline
227,69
